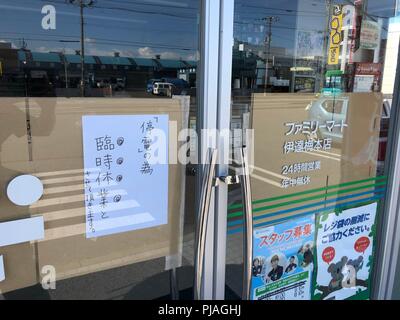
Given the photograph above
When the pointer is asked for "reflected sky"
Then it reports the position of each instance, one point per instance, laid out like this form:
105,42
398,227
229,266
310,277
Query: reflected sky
134,28
145,28
292,16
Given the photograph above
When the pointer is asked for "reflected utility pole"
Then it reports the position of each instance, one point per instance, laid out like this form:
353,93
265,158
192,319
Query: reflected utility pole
269,21
65,61
82,4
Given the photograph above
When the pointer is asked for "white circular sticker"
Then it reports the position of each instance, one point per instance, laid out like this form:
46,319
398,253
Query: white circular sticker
25,190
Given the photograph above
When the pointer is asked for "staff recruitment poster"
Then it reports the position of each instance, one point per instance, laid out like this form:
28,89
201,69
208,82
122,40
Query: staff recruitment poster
283,258
345,253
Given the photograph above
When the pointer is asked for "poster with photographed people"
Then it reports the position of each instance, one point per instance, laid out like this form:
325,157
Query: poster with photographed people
283,258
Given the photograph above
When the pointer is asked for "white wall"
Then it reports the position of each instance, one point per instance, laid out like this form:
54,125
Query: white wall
392,48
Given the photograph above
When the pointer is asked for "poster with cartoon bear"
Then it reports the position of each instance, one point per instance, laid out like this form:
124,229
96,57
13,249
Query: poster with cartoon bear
344,253
283,259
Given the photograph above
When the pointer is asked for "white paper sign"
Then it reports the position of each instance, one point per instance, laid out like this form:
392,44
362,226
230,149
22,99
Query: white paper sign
2,273
126,173
20,231
363,83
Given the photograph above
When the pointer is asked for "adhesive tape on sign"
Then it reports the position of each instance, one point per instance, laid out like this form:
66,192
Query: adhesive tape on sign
25,190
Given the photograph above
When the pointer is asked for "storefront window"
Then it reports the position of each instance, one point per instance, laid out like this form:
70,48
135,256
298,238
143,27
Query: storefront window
108,187
83,85
317,80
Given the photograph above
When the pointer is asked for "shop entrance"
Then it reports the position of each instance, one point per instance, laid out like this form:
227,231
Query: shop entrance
311,90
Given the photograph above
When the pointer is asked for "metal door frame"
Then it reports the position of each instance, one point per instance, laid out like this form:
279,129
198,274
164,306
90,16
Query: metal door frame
388,232
214,108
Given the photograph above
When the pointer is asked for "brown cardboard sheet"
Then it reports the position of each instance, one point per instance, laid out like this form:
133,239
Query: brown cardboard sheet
14,161
57,159
351,159
361,140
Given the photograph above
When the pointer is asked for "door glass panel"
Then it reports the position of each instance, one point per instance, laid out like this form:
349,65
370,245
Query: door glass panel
313,81
61,65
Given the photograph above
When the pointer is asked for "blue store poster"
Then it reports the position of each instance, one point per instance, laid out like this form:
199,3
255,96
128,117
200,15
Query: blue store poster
283,259
345,253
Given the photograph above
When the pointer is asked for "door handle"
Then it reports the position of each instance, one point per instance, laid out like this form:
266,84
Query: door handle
248,224
202,221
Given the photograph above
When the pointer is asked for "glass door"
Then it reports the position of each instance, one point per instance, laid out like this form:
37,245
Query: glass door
312,89
98,189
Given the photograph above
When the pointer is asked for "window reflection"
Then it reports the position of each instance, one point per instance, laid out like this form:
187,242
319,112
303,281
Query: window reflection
127,47
285,46
316,79
130,48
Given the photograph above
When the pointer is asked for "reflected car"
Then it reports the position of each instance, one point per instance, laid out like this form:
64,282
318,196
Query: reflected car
181,86
328,108
150,85
335,109
118,84
163,89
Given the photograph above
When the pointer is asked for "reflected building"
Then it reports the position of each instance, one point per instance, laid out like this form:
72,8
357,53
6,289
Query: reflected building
59,74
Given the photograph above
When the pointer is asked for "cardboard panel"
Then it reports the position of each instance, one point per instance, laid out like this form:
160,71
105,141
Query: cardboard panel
14,161
14,152
270,113
19,267
361,140
353,156
57,159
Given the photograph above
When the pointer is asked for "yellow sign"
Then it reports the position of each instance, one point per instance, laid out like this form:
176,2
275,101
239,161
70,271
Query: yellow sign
335,37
